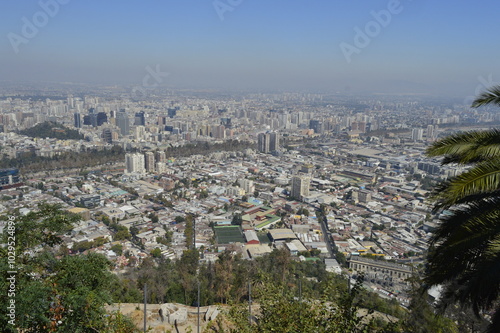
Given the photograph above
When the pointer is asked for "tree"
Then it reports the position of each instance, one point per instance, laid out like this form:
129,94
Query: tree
189,231
237,219
117,248
421,317
52,294
153,217
156,252
179,219
465,249
280,310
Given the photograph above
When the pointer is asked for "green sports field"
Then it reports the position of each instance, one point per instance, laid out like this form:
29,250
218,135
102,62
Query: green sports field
229,234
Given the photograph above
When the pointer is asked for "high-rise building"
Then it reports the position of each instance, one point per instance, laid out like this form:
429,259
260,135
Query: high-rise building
219,132
107,135
140,119
161,167
316,125
274,141
431,133
162,121
268,142
139,132
161,156
226,122
70,101
247,185
135,163
78,120
101,118
417,134
122,122
300,187
149,158
172,112
263,142
87,120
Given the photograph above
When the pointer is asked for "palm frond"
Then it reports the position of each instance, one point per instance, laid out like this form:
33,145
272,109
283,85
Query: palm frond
468,147
470,199
490,96
463,240
483,178
481,284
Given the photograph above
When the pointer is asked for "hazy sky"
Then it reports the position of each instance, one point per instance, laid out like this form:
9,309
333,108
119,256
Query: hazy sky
445,47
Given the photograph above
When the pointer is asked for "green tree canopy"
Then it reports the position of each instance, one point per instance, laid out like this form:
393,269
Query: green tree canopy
52,294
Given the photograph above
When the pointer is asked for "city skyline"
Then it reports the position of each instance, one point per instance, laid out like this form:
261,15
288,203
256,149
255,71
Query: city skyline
412,47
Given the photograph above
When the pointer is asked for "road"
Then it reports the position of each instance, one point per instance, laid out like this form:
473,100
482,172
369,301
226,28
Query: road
327,236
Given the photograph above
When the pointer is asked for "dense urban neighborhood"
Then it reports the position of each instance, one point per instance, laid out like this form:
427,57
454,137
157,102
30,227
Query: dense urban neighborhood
345,182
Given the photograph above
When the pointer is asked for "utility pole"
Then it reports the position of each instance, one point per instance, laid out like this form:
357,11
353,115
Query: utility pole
249,303
300,298
145,301
198,306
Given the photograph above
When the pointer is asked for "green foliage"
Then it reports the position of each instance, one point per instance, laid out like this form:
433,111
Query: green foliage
166,240
52,130
203,194
42,227
116,322
422,317
491,96
156,253
303,211
31,163
86,245
237,219
378,227
189,231
204,148
121,232
280,310
465,251
53,294
153,217
117,248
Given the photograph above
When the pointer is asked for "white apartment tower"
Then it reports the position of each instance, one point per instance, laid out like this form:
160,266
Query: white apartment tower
431,133
417,134
247,185
135,163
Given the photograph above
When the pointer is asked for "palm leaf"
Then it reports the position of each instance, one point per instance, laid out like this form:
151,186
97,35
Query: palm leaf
483,178
468,147
491,96
463,240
